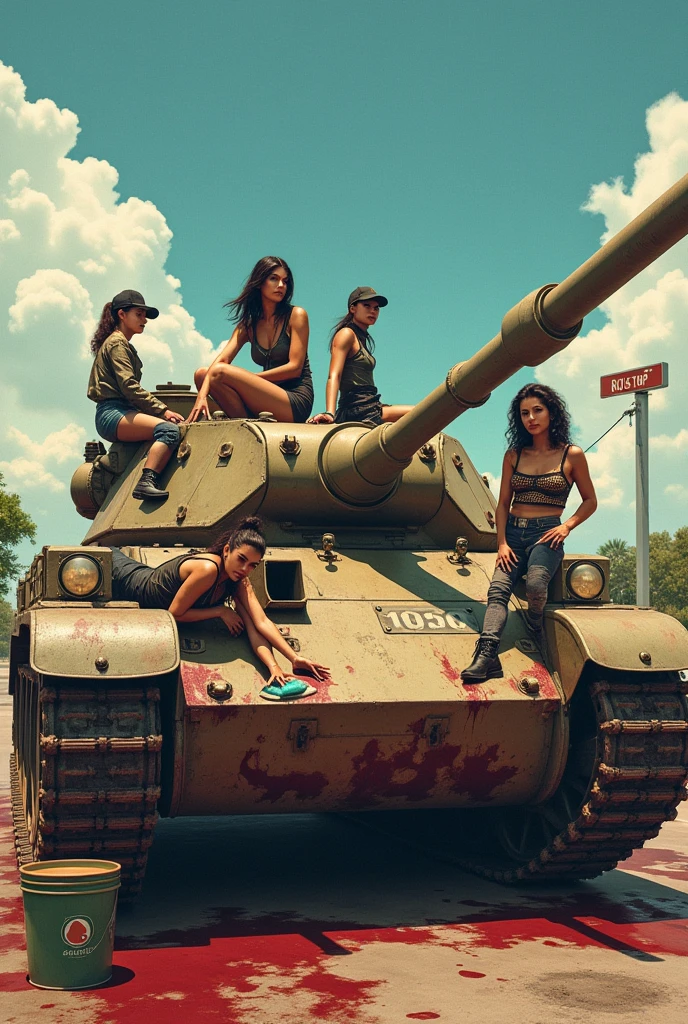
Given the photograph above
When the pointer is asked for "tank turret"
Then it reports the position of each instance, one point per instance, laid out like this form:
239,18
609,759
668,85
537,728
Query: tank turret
380,551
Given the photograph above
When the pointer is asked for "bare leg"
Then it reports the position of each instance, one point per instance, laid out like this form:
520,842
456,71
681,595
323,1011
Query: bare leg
253,392
392,413
139,426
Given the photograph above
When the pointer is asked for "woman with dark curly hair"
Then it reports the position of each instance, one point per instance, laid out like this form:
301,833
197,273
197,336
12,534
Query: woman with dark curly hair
538,472
278,335
125,411
196,585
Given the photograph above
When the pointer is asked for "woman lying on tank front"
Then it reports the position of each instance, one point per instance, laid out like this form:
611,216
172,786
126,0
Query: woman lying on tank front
539,470
352,364
277,333
196,586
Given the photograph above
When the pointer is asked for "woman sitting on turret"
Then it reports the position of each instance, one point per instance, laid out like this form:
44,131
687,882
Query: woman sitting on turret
539,470
278,335
352,364
195,586
125,411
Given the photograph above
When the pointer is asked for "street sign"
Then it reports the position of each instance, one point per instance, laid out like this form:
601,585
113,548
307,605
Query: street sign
644,378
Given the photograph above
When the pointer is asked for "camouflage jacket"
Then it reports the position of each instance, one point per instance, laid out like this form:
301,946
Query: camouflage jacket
116,373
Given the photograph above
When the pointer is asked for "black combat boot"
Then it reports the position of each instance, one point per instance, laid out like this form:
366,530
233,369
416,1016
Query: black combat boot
485,664
149,486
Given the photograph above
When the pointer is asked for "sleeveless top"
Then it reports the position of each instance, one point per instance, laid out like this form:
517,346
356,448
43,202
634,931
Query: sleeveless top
155,588
544,489
358,369
278,355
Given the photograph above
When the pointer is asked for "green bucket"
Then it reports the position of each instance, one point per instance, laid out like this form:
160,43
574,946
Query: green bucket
69,913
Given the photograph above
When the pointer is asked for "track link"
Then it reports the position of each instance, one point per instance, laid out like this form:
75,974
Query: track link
85,773
638,780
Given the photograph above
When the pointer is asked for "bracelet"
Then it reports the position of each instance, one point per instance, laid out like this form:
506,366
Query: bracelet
330,414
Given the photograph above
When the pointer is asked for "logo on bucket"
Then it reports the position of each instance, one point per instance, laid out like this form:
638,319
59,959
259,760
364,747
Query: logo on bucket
76,931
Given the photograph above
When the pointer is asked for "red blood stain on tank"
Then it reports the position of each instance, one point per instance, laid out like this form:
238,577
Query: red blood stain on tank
415,770
423,1015
547,688
477,778
195,679
322,687
471,974
478,700
448,670
304,785
82,632
349,669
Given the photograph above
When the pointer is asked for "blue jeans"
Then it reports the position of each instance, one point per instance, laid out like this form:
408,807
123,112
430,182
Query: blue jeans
537,562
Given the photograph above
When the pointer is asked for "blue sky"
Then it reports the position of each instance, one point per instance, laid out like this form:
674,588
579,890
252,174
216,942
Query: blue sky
441,152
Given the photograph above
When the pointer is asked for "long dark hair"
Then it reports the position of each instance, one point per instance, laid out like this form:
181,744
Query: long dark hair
517,437
106,325
247,531
364,337
247,308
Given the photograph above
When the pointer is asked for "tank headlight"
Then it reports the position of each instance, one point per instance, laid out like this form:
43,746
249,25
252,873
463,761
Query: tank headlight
80,575
585,580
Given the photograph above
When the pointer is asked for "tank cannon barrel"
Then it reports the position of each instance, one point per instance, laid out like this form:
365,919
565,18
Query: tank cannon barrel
542,324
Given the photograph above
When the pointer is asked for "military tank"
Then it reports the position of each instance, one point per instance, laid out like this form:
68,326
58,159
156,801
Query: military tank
381,545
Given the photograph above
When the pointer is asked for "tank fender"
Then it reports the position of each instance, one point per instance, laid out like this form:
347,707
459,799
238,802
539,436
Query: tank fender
615,637
105,643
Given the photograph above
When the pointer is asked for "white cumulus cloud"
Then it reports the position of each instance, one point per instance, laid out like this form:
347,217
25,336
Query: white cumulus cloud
646,322
67,245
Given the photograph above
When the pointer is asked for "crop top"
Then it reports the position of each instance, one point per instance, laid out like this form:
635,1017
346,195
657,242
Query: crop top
543,489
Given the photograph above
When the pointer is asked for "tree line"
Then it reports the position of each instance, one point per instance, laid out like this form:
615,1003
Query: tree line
668,572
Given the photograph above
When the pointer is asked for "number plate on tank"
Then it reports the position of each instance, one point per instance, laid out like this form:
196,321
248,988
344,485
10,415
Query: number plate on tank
424,618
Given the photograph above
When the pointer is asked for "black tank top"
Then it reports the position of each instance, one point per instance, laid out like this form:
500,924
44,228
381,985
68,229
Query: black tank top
278,355
358,369
155,588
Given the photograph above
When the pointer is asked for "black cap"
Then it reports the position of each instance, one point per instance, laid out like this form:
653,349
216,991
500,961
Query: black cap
364,295
128,298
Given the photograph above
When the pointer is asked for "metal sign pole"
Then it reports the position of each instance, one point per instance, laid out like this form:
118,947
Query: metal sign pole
642,500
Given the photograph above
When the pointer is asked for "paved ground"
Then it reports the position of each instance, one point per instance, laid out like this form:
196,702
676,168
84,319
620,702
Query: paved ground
291,919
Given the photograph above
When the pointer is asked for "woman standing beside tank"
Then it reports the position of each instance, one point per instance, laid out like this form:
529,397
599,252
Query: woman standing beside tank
538,472
195,586
124,410
352,364
278,335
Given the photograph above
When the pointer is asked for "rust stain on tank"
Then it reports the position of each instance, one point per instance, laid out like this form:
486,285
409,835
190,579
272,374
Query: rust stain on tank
414,772
305,785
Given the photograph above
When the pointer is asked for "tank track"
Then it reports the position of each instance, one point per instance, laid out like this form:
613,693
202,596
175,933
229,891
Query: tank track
85,773
625,776
637,783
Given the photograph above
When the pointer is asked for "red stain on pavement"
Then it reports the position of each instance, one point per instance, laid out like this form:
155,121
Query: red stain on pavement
471,974
413,772
349,669
423,1015
655,861
305,785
